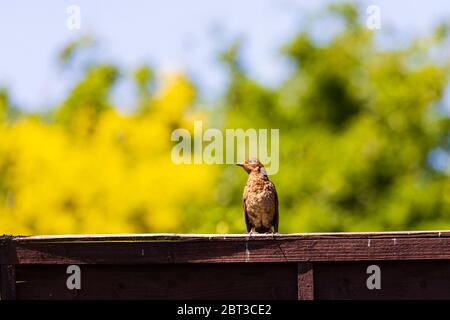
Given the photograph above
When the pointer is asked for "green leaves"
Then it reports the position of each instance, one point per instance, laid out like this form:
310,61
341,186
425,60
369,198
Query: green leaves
88,99
357,126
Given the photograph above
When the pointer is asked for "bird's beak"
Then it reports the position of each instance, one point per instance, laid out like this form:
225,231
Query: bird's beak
240,164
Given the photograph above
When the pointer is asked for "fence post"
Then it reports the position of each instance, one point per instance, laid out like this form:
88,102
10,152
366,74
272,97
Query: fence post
7,271
305,280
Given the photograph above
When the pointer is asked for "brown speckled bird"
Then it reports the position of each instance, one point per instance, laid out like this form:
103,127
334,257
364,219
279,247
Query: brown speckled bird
260,199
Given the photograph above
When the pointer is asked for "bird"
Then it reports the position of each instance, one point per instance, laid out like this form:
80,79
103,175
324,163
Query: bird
260,199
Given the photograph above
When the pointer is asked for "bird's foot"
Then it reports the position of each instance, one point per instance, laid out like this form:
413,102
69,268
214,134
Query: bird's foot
274,233
271,232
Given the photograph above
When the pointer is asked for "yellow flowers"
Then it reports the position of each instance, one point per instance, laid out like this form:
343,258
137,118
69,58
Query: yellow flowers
117,179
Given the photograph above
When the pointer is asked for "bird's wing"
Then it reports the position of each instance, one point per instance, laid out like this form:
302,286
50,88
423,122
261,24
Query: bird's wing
276,215
247,222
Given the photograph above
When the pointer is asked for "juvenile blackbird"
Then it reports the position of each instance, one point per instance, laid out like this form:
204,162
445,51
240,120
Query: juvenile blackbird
260,200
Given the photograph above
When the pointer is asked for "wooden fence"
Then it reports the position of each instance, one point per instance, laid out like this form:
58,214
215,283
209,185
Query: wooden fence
404,265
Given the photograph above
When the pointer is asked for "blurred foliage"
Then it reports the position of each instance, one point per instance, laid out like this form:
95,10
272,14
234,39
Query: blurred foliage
68,52
116,177
359,126
88,100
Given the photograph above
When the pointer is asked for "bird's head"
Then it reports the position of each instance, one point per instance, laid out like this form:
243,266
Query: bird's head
253,165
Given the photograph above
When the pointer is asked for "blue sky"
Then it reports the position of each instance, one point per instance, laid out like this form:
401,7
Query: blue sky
170,35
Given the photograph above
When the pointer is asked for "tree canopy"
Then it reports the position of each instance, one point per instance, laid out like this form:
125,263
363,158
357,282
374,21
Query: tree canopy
361,130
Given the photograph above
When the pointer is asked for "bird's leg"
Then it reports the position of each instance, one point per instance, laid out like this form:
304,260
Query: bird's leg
252,230
273,233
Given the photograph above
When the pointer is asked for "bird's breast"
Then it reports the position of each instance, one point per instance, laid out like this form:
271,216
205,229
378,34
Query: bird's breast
260,199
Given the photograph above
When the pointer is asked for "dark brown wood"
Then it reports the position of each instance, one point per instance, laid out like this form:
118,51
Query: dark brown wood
305,281
229,249
234,237
399,280
206,281
8,282
413,265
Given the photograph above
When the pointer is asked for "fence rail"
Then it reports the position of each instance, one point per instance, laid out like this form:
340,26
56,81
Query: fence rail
392,265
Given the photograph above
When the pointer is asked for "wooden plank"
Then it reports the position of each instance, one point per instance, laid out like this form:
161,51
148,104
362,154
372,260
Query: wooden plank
205,281
5,249
217,251
400,280
232,237
305,281
8,282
